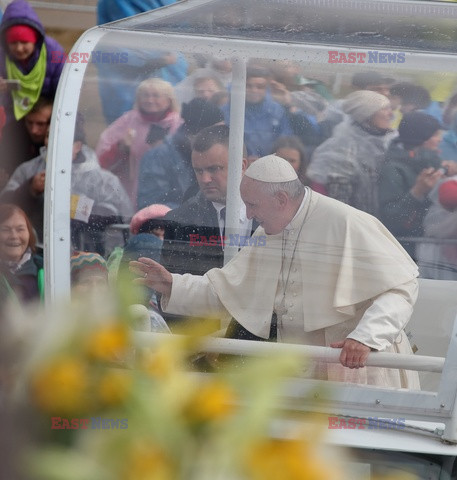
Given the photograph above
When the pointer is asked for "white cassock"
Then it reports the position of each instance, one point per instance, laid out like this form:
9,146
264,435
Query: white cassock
334,272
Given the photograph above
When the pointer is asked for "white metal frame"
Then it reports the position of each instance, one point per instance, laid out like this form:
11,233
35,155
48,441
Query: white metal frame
57,242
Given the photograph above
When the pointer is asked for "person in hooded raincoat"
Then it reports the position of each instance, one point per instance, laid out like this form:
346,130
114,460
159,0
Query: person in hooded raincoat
26,57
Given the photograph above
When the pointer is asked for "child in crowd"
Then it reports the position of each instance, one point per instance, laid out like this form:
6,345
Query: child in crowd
89,278
89,273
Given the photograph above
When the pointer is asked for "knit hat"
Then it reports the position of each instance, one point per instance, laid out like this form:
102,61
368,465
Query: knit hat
363,104
21,33
198,114
447,194
363,80
153,212
416,128
87,261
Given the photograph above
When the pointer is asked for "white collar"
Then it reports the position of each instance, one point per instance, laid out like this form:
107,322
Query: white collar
219,206
290,226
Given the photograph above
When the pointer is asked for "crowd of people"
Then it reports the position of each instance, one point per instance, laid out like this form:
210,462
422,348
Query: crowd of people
161,162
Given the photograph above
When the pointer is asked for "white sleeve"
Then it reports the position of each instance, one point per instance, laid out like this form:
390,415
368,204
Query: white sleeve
192,295
386,317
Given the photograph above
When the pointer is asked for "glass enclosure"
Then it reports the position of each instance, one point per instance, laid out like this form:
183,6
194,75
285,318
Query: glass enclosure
159,115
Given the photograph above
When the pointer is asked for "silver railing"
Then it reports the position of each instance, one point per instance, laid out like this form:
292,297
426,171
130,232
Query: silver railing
324,354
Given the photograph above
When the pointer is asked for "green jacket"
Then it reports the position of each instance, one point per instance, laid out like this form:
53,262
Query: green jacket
25,284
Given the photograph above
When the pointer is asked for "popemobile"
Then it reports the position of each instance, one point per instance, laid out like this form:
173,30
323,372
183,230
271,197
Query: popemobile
314,51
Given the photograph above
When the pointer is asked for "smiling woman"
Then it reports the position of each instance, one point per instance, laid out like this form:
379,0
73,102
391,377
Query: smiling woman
21,269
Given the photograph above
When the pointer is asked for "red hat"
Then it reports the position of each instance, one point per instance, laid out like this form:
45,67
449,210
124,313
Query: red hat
21,33
448,194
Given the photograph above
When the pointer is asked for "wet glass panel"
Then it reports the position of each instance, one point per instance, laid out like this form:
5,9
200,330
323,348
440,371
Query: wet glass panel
376,24
144,110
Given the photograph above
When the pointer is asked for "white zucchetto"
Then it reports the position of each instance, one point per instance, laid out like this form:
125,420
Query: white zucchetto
271,169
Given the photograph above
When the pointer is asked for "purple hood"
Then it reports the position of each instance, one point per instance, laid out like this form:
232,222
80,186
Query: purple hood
20,12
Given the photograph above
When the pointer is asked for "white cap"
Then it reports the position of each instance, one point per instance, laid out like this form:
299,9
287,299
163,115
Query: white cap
271,169
363,104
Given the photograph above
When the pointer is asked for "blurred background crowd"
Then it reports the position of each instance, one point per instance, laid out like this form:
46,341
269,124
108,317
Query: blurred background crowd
151,158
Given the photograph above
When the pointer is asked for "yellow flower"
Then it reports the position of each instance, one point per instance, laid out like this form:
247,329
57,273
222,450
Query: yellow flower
61,387
271,459
160,363
114,387
212,401
109,343
147,461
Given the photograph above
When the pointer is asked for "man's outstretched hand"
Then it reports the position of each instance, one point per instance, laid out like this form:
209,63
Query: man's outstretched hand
353,354
152,274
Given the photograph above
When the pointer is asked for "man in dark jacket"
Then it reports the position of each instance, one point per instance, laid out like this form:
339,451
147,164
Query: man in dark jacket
194,233
413,167
23,140
166,175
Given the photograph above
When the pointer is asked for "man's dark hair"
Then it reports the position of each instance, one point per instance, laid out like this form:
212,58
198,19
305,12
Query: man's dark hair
210,136
214,135
41,103
257,72
199,114
411,94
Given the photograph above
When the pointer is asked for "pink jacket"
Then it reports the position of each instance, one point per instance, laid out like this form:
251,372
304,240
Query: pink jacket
126,164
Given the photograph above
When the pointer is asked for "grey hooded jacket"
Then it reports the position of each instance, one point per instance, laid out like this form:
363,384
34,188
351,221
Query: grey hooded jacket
348,165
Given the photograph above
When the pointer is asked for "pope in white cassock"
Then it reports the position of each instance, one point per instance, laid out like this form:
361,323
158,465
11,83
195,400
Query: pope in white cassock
334,276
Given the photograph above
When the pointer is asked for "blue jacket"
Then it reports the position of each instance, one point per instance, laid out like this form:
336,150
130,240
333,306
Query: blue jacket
111,10
166,173
448,144
19,12
264,123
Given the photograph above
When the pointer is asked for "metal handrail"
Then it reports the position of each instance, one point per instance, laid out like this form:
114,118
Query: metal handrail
438,241
420,363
